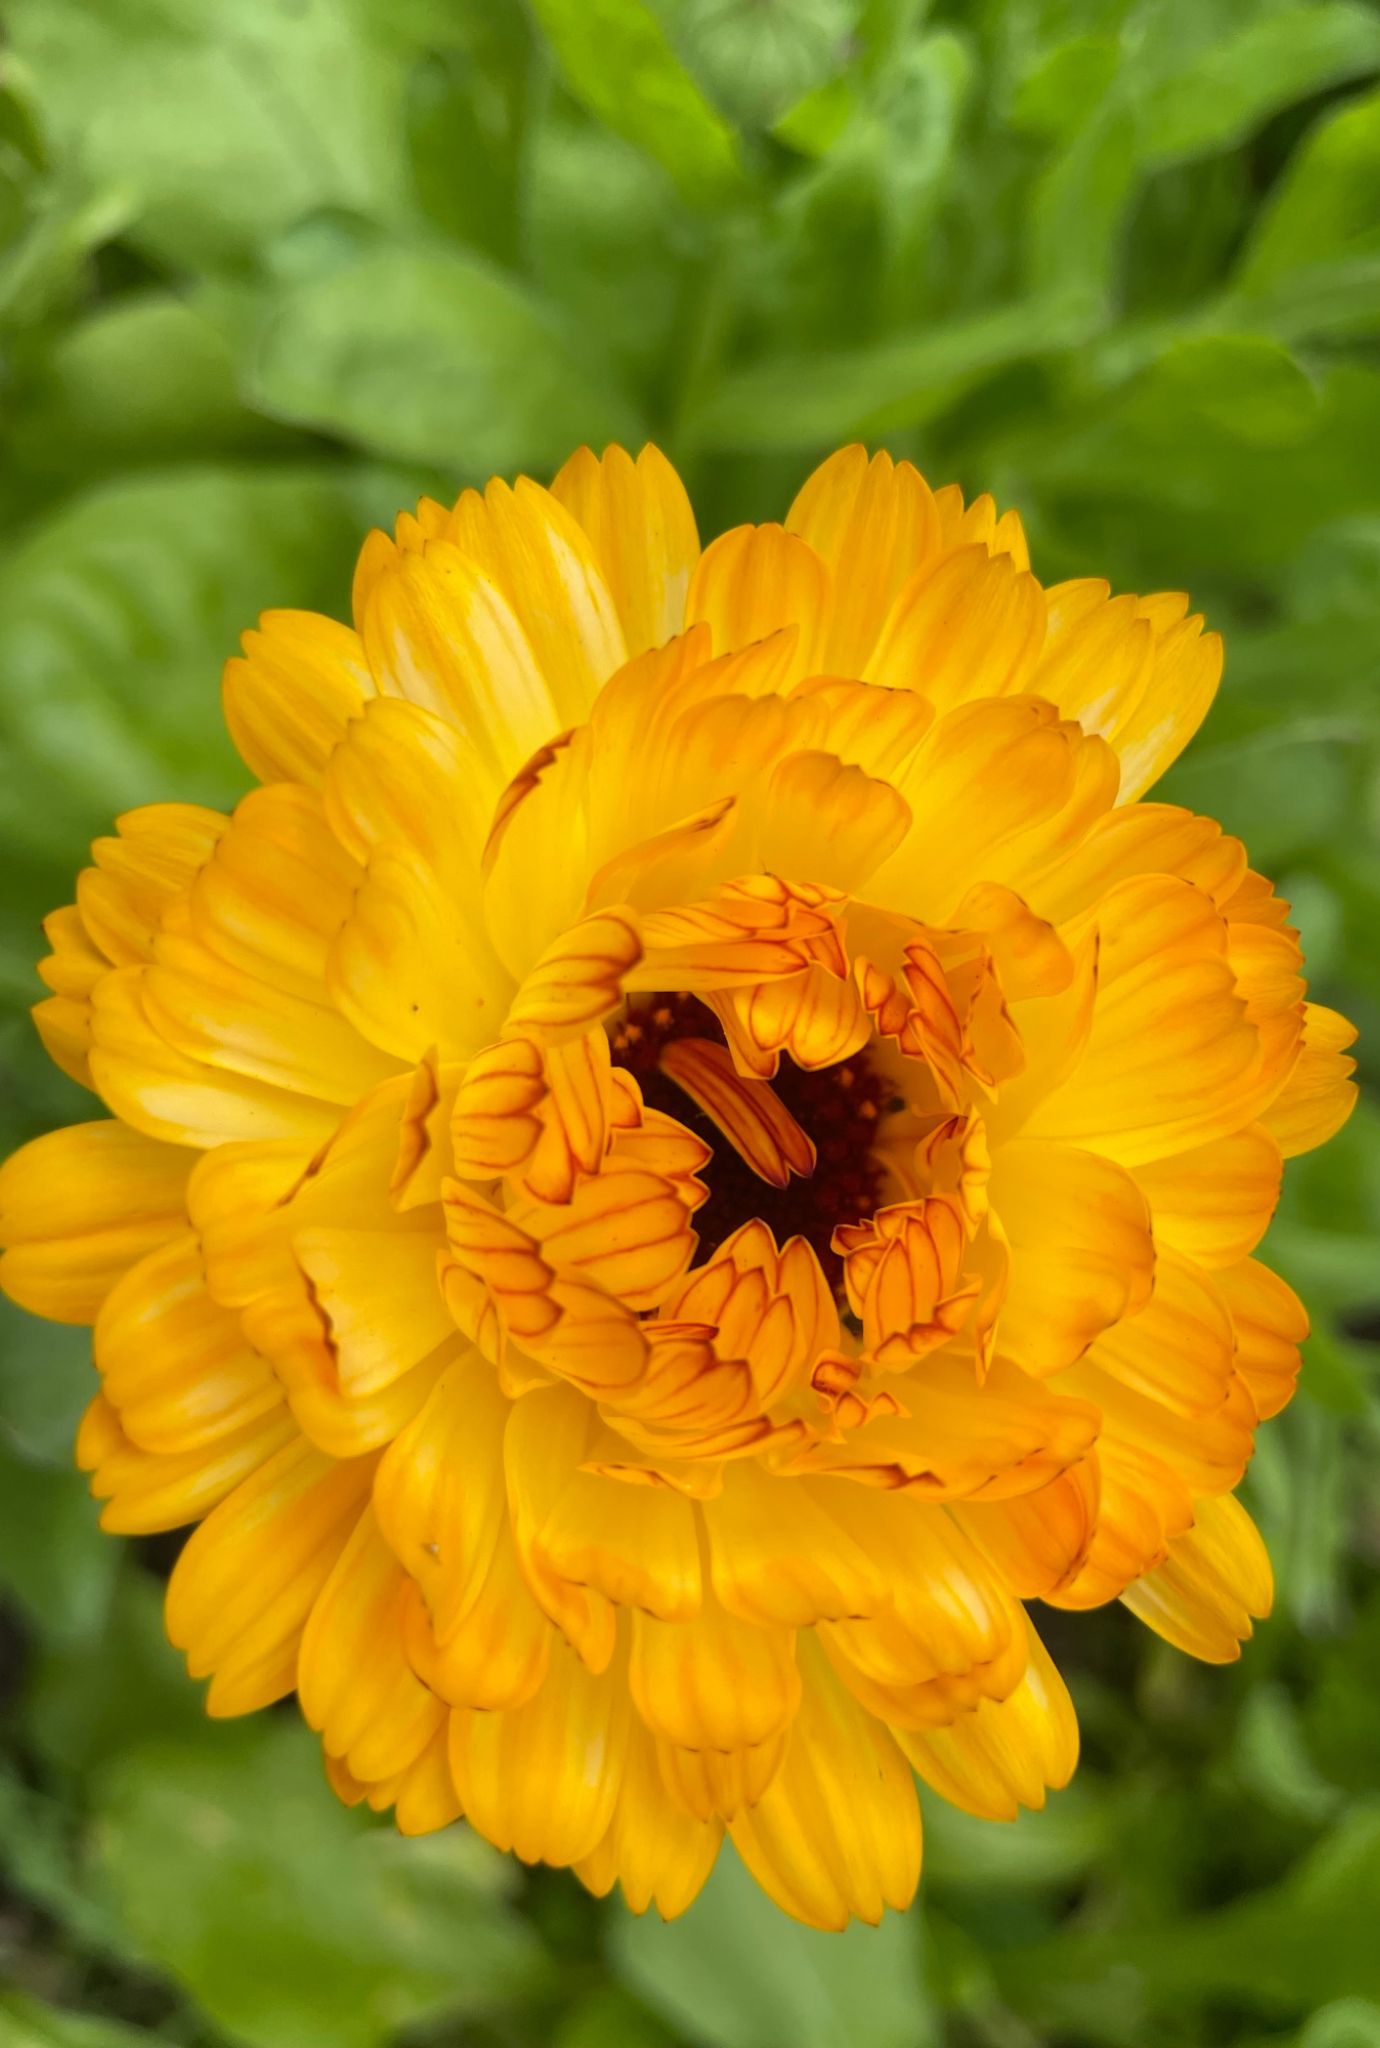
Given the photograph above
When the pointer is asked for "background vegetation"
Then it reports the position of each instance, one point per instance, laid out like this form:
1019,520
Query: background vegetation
270,267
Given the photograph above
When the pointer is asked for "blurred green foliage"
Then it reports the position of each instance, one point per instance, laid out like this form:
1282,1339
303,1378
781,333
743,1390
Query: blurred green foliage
268,268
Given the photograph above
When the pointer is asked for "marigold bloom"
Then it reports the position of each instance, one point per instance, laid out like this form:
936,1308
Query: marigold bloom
691,1150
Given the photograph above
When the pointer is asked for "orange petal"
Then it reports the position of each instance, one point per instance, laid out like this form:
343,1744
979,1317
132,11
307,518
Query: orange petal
579,979
750,1115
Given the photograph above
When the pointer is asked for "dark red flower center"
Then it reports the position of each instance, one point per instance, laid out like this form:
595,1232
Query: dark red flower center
839,1107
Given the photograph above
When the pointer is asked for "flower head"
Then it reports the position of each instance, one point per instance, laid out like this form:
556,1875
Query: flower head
692,1149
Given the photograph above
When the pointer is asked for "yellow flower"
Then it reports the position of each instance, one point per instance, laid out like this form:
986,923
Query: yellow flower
692,1149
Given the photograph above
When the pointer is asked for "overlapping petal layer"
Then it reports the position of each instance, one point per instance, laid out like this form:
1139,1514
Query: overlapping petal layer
687,1153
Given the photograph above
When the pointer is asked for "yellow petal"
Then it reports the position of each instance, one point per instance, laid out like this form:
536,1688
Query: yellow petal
579,980
1319,1094
141,874
1142,1505
176,1365
439,1493
873,523
152,1085
753,581
381,1299
1040,1541
865,724
422,1795
289,698
829,823
953,1634
642,530
244,1585
498,1652
1097,656
637,1545
1172,1061
779,1556
714,1682
1185,669
543,562
550,1434
1178,1348
1215,1201
1207,1453
241,982
965,1442
79,1207
353,1680
1269,1323
969,625
291,1330
999,792
146,1492
965,526
496,1124
625,1230
658,1852
1006,1753
1081,1250
1143,839
836,1835
76,963
63,1023
542,1779
1215,1582
440,633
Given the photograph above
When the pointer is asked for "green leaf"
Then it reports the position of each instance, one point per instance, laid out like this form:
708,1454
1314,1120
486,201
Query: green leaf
226,120
805,402
1078,208
616,60
90,1697
44,263
294,1919
1287,1949
1313,262
431,355
116,616
24,2023
1215,96
1054,96
46,1379
1279,789
54,1559
735,1973
758,57
610,242
1345,2023
142,380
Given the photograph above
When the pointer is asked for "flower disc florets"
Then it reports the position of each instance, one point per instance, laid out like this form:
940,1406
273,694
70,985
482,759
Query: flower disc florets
691,1149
